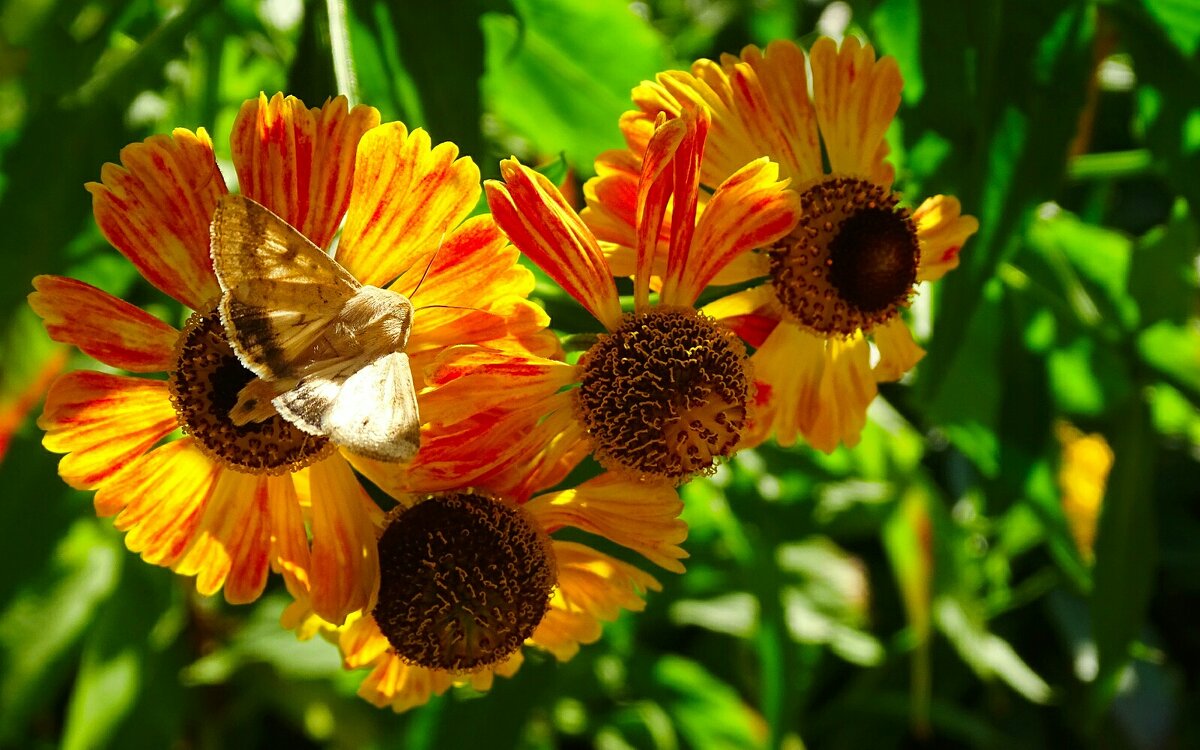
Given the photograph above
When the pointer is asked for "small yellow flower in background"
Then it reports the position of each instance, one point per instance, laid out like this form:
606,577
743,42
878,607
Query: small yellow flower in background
467,577
848,268
1082,479
665,392
226,503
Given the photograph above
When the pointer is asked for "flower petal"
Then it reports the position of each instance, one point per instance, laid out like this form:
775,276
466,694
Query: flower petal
103,326
474,266
345,564
289,539
299,162
643,516
941,232
898,353
156,209
361,642
656,188
103,422
402,686
750,313
592,587
819,388
539,222
856,98
750,210
231,544
162,497
407,197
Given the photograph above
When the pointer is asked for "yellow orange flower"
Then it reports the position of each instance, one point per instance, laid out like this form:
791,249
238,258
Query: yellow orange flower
1082,479
664,392
847,270
469,577
226,503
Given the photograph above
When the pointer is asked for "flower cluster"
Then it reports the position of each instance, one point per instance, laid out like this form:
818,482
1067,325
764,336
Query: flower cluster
736,185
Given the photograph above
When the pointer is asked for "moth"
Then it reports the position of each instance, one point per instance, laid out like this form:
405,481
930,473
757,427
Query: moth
330,349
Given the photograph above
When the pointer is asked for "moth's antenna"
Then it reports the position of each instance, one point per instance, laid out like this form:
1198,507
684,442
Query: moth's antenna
448,307
428,265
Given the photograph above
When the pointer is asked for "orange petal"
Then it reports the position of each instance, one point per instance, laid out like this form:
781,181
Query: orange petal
402,686
102,422
592,587
407,197
102,326
162,496
750,210
361,642
539,222
769,91
289,539
655,189
474,266
299,162
643,516
509,324
749,313
472,379
898,353
345,566
156,208
941,232
856,98
819,388
231,545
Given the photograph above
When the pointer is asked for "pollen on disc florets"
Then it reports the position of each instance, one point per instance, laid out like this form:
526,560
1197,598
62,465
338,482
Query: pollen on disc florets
204,388
464,579
850,263
665,395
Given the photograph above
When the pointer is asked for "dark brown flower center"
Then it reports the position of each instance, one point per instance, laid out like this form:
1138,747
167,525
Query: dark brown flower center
463,581
665,394
851,262
204,387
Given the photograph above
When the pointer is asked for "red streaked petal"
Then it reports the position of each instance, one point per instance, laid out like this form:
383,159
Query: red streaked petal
162,497
941,231
855,98
103,326
750,210
299,162
539,222
345,563
474,266
408,195
230,546
654,191
156,209
289,540
103,422
750,313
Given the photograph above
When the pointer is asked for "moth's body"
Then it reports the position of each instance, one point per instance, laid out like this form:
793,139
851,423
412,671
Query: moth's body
329,351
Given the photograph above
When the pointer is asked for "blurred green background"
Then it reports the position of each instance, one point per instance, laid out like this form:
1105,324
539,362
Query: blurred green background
923,589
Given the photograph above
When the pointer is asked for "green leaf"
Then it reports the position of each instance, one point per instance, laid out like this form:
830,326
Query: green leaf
1163,273
1005,83
1087,378
986,653
705,711
41,626
1173,351
1125,548
559,74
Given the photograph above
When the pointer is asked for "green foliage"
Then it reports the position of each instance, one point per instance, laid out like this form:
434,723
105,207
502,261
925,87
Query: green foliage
924,586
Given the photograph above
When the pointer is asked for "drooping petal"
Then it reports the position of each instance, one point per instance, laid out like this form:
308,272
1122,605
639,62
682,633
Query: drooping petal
156,209
539,222
408,195
345,563
103,422
819,388
750,210
400,686
643,516
941,232
299,162
230,546
898,353
161,498
592,588
103,326
856,98
361,642
750,313
289,540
